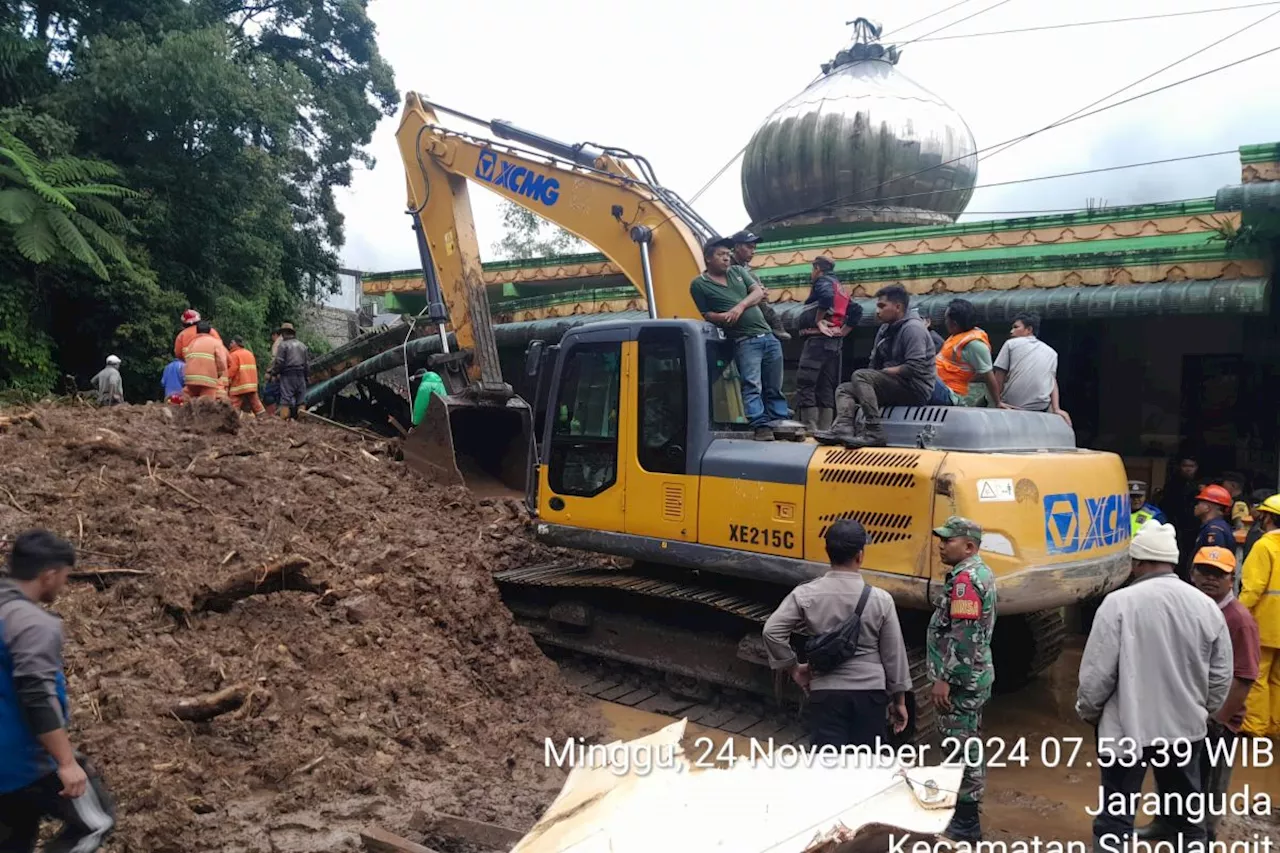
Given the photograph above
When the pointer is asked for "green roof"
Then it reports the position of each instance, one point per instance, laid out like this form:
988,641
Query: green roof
1267,152
1102,215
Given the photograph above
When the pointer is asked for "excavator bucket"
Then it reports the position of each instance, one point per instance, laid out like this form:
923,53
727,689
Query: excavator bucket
486,446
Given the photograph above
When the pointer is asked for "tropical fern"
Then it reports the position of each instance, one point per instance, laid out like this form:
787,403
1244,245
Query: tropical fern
59,207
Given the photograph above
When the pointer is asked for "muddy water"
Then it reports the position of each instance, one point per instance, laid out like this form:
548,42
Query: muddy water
1031,800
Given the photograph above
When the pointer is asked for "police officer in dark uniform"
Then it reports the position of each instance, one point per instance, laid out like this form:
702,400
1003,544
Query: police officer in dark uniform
818,373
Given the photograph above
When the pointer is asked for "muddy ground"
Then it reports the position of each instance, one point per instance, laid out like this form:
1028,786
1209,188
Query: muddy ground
387,677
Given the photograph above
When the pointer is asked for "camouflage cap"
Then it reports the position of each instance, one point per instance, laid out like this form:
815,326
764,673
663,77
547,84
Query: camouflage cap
957,526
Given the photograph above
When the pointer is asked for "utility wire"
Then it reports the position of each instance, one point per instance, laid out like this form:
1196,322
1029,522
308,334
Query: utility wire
953,23
1044,210
1096,171
1098,23
743,149
1071,116
927,17
1139,96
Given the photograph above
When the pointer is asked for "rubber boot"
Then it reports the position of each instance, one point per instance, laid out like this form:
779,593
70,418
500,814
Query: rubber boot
825,417
284,413
1157,830
842,431
965,824
809,417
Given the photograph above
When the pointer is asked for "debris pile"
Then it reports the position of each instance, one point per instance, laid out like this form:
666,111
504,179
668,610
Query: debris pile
278,635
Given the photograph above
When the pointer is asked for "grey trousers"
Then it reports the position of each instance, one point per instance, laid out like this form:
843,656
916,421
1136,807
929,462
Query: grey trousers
870,390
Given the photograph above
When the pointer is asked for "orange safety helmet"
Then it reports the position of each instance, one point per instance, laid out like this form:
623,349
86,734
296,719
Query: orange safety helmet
1215,495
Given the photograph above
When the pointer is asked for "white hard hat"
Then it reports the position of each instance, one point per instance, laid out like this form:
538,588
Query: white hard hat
113,359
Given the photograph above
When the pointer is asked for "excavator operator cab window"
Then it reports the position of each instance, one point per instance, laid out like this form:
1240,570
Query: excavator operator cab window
664,402
728,414
584,436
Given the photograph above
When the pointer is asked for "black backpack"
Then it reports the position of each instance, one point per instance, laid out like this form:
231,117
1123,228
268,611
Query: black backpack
827,651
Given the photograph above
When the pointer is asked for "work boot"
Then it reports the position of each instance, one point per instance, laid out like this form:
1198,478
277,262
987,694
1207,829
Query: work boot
764,432
825,417
965,824
284,413
809,417
1157,830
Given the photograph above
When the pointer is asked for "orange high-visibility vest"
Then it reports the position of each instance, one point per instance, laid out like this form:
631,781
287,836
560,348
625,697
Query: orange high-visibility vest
242,372
954,371
206,362
186,336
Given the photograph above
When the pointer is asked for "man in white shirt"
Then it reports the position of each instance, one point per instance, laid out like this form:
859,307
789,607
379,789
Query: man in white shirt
1148,687
1026,370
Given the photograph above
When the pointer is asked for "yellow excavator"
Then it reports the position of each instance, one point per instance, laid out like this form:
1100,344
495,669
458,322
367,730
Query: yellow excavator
643,452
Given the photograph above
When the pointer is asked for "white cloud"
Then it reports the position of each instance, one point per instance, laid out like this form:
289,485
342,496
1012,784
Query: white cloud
686,83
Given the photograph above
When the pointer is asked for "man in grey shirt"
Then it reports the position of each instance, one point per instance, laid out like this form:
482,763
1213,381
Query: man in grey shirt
1157,663
902,372
1026,370
853,703
40,773
107,383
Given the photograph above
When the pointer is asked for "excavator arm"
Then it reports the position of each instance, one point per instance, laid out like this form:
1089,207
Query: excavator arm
652,236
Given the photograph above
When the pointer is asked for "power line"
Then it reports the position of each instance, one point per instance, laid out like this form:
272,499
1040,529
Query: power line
1071,116
1056,124
743,149
930,15
1098,23
1044,210
1096,171
960,21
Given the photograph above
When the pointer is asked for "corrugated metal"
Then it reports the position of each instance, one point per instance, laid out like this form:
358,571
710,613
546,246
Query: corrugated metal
1262,197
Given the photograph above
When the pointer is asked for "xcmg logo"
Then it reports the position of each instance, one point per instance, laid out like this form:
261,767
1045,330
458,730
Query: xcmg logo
502,173
1067,530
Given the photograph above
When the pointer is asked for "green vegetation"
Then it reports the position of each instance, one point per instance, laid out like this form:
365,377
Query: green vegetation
160,154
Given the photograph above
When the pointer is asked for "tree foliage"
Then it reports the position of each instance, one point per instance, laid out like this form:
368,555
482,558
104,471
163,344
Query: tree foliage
527,235
231,123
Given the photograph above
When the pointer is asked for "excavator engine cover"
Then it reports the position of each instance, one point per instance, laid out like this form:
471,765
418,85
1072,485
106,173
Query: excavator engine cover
485,445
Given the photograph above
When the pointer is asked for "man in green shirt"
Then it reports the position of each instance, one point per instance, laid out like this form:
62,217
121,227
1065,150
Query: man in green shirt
744,249
727,297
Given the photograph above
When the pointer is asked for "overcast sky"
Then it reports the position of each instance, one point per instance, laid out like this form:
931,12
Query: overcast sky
686,83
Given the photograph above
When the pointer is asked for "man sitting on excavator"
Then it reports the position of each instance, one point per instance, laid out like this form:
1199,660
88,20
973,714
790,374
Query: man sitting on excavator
727,297
901,373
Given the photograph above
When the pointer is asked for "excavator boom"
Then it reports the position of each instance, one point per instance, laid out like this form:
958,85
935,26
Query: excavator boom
648,232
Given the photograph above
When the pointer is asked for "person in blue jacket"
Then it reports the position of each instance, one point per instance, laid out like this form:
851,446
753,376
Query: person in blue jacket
41,774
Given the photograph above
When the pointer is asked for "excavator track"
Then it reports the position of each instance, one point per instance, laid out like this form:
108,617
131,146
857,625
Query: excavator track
682,647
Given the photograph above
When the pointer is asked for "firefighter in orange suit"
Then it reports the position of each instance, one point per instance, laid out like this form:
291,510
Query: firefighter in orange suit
242,378
190,318
205,364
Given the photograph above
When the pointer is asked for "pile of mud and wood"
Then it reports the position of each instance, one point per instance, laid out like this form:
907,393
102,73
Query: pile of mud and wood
277,635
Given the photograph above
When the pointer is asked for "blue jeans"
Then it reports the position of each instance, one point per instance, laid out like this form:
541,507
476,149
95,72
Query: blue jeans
759,362
941,394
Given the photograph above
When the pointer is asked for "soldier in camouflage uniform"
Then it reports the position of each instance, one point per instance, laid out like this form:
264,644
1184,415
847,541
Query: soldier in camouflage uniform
959,648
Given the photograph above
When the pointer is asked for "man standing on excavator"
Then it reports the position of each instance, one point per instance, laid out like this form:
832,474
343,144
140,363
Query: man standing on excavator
730,299
829,315
744,249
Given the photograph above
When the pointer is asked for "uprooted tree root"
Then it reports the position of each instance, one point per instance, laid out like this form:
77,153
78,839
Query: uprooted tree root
286,574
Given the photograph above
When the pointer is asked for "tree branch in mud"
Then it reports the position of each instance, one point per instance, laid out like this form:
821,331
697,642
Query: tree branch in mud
104,577
219,475
204,708
344,479
286,574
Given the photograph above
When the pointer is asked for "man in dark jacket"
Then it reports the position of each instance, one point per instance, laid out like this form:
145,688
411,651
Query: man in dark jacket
40,773
292,365
901,373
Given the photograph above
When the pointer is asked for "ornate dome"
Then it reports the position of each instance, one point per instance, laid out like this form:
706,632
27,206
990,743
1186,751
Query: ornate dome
862,144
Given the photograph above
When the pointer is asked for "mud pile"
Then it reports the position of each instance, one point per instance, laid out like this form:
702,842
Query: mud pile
339,605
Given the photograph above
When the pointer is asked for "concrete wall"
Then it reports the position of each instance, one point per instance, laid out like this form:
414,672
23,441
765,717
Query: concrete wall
335,325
